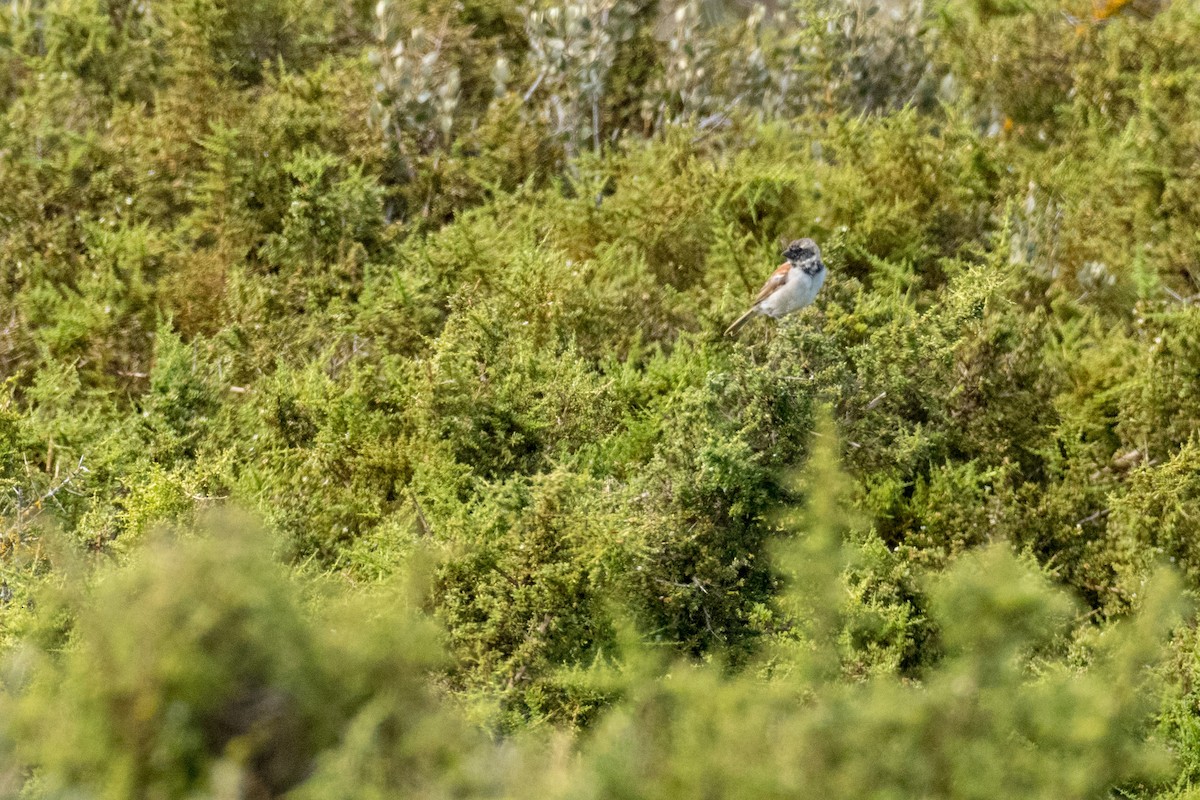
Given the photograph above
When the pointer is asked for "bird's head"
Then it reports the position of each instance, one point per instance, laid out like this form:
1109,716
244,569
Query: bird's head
804,253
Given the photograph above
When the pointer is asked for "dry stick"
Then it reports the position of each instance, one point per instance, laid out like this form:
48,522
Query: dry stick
878,399
31,512
538,82
595,124
422,523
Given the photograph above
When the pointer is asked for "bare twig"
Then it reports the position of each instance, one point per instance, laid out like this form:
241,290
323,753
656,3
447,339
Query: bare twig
27,513
1093,517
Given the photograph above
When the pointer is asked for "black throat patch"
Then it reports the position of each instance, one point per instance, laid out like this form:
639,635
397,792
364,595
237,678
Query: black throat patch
811,266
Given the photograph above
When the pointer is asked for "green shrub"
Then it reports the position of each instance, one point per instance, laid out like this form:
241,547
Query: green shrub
220,682
466,298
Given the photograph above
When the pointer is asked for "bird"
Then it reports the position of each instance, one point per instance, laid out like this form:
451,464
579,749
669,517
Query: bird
792,287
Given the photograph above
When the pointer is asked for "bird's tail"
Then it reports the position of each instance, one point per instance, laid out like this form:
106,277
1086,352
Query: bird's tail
733,329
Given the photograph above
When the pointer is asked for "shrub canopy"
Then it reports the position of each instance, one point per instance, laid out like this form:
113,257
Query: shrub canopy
366,427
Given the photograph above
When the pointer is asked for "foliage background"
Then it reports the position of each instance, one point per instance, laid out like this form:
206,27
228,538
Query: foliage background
432,293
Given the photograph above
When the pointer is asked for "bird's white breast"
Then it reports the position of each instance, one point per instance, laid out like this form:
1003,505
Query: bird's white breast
799,291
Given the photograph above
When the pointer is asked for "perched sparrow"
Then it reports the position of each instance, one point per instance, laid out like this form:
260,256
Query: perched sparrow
791,288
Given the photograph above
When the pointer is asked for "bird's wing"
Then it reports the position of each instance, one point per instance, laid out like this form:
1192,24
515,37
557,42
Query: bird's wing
777,279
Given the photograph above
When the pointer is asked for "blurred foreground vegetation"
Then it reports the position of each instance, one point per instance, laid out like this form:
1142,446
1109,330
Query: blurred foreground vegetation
366,429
